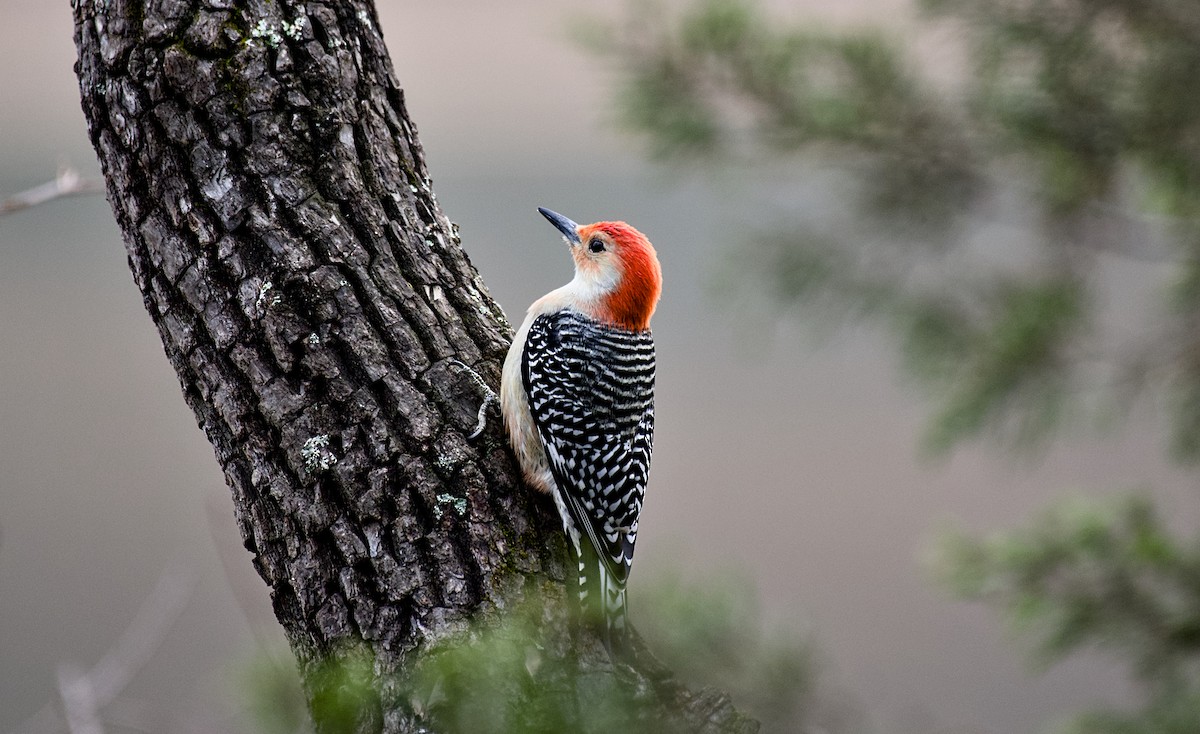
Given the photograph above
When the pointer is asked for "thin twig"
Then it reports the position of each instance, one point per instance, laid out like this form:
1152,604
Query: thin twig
144,634
85,693
68,182
79,701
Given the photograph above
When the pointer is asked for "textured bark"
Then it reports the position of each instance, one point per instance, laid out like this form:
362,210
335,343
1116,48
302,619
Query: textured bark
312,298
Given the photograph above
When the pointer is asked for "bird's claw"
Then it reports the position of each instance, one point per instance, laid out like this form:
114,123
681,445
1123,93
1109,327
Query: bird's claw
489,396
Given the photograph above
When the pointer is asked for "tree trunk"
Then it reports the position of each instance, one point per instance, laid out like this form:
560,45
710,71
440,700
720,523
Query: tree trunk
313,300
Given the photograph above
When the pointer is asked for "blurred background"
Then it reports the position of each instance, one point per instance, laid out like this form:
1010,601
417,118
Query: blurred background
929,272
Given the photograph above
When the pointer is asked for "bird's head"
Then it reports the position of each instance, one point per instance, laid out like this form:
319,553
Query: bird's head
616,270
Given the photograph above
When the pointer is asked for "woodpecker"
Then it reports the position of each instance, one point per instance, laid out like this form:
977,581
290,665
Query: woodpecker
577,394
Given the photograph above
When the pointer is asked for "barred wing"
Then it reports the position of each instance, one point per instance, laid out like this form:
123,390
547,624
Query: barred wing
591,396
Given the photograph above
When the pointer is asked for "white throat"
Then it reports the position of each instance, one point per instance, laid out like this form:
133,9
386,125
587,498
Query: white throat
591,287
584,293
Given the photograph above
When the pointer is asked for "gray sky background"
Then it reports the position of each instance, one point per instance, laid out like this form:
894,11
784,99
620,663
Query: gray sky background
776,456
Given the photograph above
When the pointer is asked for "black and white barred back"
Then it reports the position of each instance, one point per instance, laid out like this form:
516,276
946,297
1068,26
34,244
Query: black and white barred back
591,396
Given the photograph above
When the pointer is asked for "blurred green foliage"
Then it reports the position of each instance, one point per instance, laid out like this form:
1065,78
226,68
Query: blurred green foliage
1110,577
271,696
1068,138
507,676
713,633
990,207
341,696
1083,574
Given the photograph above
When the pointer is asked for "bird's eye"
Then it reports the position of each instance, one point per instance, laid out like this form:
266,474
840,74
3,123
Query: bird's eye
596,244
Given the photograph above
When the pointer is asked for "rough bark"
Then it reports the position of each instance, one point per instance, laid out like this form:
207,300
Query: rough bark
313,299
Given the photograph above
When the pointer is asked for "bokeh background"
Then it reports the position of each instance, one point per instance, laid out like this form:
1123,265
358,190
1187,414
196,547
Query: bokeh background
782,456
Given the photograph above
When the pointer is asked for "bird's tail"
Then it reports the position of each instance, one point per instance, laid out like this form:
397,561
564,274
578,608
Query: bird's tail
603,601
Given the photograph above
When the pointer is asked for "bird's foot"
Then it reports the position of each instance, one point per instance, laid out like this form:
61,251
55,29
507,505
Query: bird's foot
489,396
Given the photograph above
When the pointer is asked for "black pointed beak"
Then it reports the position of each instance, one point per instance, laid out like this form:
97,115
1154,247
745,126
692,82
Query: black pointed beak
569,229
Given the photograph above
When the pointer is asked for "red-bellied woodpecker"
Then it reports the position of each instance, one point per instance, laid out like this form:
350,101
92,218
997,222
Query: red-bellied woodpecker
577,395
